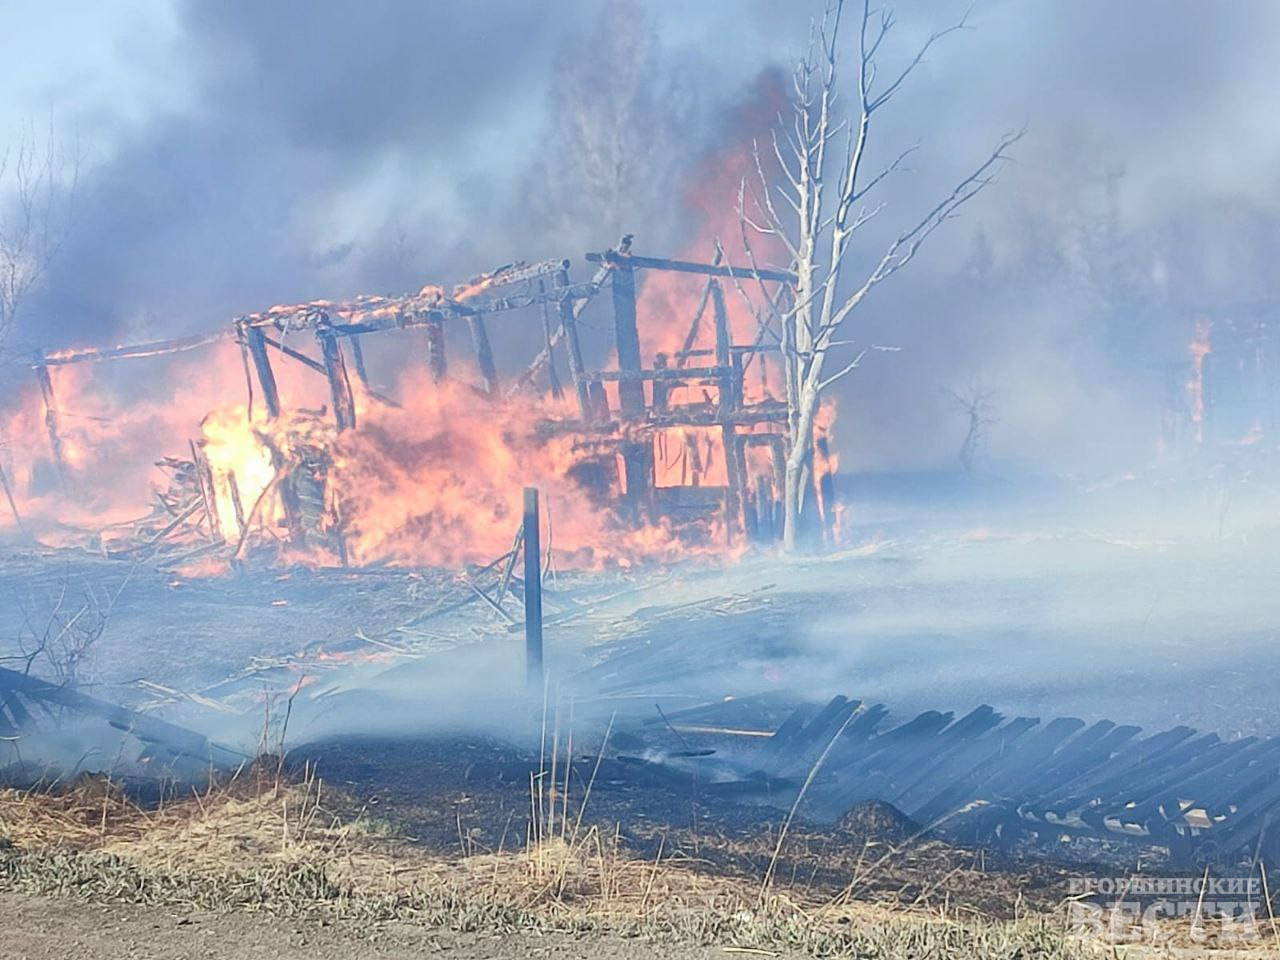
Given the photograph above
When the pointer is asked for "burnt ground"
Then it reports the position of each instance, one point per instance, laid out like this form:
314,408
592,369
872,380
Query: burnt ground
459,798
1148,609
416,709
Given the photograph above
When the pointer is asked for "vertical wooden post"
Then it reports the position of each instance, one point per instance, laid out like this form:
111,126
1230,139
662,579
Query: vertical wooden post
764,509
253,339
733,459
660,386
532,588
344,407
204,480
484,353
637,457
436,362
553,375
597,402
236,503
573,348
826,490
13,506
627,339
51,416
288,492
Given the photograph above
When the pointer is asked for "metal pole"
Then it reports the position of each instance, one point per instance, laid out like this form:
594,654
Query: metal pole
532,588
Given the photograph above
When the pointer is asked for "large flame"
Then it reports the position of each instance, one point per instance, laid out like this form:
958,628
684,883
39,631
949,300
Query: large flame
434,481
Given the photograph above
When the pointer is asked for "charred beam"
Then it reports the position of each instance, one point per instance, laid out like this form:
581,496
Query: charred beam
728,401
578,303
699,415
573,347
51,415
256,341
357,354
204,481
532,587
666,374
293,354
319,367
8,493
627,343
637,457
484,354
660,372
687,266
598,403
175,739
344,407
553,375
436,361
371,314
289,501
737,349
236,503
153,349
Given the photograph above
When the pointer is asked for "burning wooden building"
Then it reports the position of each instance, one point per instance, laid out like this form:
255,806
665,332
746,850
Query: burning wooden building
668,435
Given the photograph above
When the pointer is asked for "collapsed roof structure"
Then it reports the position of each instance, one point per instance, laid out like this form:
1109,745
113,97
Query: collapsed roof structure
616,417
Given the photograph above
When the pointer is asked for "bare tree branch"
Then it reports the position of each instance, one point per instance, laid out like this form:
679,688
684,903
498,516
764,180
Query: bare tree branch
820,225
38,183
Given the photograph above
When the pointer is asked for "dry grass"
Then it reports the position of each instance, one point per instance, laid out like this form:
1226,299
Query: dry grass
258,842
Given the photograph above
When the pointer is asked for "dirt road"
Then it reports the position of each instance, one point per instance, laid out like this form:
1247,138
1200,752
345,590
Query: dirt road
40,928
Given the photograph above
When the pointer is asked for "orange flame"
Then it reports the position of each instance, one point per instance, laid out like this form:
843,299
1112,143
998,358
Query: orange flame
1200,347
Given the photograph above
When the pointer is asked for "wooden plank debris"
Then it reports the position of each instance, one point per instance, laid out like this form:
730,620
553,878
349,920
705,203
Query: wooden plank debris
177,741
984,779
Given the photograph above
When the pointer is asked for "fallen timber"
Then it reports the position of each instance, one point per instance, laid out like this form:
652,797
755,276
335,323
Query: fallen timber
23,697
986,779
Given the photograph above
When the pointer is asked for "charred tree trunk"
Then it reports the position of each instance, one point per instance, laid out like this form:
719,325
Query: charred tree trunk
799,471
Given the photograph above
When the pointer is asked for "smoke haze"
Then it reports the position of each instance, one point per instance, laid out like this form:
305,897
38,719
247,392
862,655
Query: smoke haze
238,155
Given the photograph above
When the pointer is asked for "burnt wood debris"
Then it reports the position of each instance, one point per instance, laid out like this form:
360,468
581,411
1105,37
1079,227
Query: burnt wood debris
980,777
748,501
28,703
983,778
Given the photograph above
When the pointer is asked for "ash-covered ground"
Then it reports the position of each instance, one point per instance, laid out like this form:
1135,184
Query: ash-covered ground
1137,603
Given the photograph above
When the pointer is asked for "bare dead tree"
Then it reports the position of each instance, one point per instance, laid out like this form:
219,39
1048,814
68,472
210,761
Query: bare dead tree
976,403
620,120
815,219
38,183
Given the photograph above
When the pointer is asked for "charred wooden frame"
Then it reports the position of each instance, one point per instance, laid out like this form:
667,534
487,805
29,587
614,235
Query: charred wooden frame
629,429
